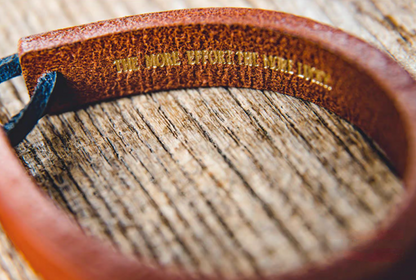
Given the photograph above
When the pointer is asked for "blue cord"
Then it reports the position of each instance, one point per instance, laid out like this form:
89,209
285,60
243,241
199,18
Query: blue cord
20,125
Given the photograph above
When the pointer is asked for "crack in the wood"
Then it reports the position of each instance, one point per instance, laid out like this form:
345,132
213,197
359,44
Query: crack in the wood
268,210
142,233
367,139
324,162
209,203
340,220
163,218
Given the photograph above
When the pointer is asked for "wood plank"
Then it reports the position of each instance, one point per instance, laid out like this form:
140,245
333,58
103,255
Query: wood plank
223,181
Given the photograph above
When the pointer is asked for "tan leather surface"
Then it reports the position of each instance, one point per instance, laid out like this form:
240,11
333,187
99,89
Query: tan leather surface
380,101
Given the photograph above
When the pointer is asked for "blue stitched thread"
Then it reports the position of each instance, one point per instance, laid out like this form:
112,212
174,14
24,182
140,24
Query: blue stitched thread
21,124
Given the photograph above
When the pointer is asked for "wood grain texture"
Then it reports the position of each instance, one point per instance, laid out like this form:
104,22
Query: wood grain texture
224,181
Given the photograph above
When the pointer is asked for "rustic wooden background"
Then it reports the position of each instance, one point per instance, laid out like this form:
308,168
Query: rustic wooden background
224,181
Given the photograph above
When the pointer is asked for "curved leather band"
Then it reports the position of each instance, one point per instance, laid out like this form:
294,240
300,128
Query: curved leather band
211,47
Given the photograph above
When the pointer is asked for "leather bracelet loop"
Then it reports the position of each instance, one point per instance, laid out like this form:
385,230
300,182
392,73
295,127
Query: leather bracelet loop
209,47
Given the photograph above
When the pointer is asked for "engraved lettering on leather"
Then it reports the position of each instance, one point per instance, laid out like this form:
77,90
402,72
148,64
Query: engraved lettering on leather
162,60
212,57
138,56
127,64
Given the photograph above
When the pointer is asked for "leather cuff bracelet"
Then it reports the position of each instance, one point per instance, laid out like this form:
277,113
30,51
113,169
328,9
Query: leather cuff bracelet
200,48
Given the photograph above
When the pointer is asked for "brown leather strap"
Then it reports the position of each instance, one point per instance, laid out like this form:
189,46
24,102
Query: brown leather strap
211,47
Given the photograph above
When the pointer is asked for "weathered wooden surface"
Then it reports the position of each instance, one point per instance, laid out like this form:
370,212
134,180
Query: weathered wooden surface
223,181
